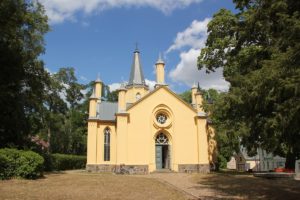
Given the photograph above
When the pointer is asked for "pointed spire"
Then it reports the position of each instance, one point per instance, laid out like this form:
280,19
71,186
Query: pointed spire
136,74
198,88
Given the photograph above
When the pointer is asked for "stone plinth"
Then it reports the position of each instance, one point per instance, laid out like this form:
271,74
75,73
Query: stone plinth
193,168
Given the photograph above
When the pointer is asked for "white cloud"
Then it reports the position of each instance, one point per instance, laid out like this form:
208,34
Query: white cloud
114,86
194,36
61,10
186,71
150,83
48,70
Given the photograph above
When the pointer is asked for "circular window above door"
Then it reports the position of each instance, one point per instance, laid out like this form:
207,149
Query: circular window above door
162,119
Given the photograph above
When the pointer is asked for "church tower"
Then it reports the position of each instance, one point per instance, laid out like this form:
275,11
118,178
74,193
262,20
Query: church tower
136,87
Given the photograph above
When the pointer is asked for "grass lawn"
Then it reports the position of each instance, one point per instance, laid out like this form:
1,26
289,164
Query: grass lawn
89,186
238,186
82,185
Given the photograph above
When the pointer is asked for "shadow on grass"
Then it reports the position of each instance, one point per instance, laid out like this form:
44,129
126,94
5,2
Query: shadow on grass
236,186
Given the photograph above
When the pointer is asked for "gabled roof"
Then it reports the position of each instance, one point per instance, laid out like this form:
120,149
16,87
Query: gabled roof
244,153
154,91
106,111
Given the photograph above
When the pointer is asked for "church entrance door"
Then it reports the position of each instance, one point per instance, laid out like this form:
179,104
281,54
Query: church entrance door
162,152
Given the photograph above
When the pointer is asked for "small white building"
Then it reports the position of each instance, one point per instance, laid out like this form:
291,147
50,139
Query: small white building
232,163
262,161
269,162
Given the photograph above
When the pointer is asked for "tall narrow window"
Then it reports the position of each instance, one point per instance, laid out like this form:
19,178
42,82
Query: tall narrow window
107,144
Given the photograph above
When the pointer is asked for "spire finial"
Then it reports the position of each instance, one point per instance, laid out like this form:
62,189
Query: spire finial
136,47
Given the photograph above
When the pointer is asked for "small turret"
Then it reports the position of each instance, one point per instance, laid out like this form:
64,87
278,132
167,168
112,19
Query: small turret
93,105
122,99
95,98
98,88
160,71
199,100
194,91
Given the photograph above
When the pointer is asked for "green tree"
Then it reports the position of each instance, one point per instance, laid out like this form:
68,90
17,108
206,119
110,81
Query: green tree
70,87
258,48
65,113
112,96
187,96
22,75
228,141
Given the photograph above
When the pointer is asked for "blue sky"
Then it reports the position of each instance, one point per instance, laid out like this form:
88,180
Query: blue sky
99,36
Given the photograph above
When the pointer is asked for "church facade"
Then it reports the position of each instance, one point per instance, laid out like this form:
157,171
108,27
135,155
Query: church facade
147,131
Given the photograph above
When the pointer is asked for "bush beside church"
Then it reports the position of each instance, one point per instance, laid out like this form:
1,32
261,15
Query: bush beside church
20,163
30,165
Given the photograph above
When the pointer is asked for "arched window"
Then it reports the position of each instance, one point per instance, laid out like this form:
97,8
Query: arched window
138,96
107,144
161,139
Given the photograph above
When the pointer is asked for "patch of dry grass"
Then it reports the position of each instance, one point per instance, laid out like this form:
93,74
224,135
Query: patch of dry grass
87,186
235,186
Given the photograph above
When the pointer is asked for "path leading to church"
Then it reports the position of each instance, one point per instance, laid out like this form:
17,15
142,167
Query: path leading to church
184,182
230,186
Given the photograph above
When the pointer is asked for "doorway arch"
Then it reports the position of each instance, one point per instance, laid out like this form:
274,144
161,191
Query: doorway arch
162,151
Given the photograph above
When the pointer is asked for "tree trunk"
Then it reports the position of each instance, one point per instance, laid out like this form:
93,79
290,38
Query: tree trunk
49,138
290,161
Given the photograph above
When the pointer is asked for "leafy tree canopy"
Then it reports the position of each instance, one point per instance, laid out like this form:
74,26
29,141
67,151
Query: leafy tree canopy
259,50
22,76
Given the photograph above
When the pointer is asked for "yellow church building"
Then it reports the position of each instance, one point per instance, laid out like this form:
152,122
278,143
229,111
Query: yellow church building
147,131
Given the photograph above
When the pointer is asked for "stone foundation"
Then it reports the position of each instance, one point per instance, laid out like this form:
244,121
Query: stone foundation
144,169
193,168
118,169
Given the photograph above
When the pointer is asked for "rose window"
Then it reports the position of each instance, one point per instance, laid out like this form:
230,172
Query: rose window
161,118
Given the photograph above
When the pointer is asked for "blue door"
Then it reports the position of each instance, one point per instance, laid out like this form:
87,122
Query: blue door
158,156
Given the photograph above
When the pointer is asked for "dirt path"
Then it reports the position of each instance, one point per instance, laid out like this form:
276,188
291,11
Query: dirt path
184,183
230,186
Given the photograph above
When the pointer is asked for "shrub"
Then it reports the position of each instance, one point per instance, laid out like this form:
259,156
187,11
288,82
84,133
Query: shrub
30,165
65,162
18,163
222,162
8,162
4,167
